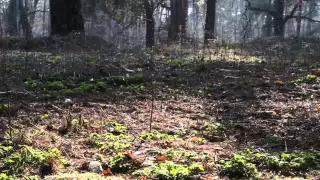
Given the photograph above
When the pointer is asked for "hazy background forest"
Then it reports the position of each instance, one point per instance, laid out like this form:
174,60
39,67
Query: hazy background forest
159,89
124,23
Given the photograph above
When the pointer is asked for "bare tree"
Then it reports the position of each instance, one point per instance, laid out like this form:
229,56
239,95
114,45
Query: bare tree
210,21
178,18
12,19
148,5
66,17
26,27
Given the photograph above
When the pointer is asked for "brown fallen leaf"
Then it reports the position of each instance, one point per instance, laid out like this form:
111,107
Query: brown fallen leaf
161,158
278,82
106,172
129,155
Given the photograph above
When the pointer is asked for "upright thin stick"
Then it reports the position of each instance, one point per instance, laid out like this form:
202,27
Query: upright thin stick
152,105
152,94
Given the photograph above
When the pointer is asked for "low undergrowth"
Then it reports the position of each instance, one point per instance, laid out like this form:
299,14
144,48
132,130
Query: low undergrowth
23,159
108,142
250,164
58,86
169,170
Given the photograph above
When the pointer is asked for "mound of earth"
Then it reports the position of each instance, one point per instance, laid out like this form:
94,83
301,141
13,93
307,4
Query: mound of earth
74,42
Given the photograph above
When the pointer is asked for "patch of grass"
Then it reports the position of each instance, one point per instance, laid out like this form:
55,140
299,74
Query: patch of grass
155,135
110,143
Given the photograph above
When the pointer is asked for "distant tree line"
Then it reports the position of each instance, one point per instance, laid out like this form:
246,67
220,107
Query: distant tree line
67,16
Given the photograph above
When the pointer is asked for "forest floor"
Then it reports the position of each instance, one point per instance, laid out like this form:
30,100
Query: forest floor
249,113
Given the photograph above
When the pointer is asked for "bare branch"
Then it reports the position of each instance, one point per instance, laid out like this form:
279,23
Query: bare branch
287,17
270,12
305,18
308,19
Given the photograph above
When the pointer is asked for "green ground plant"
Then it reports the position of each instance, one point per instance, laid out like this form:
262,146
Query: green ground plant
247,164
213,131
123,163
155,135
169,171
310,78
117,127
14,162
110,143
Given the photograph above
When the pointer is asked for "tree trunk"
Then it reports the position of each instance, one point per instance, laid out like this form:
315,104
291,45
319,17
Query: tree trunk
26,28
178,19
44,24
12,18
278,26
149,24
119,3
183,16
210,21
278,21
66,17
33,14
312,12
267,28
